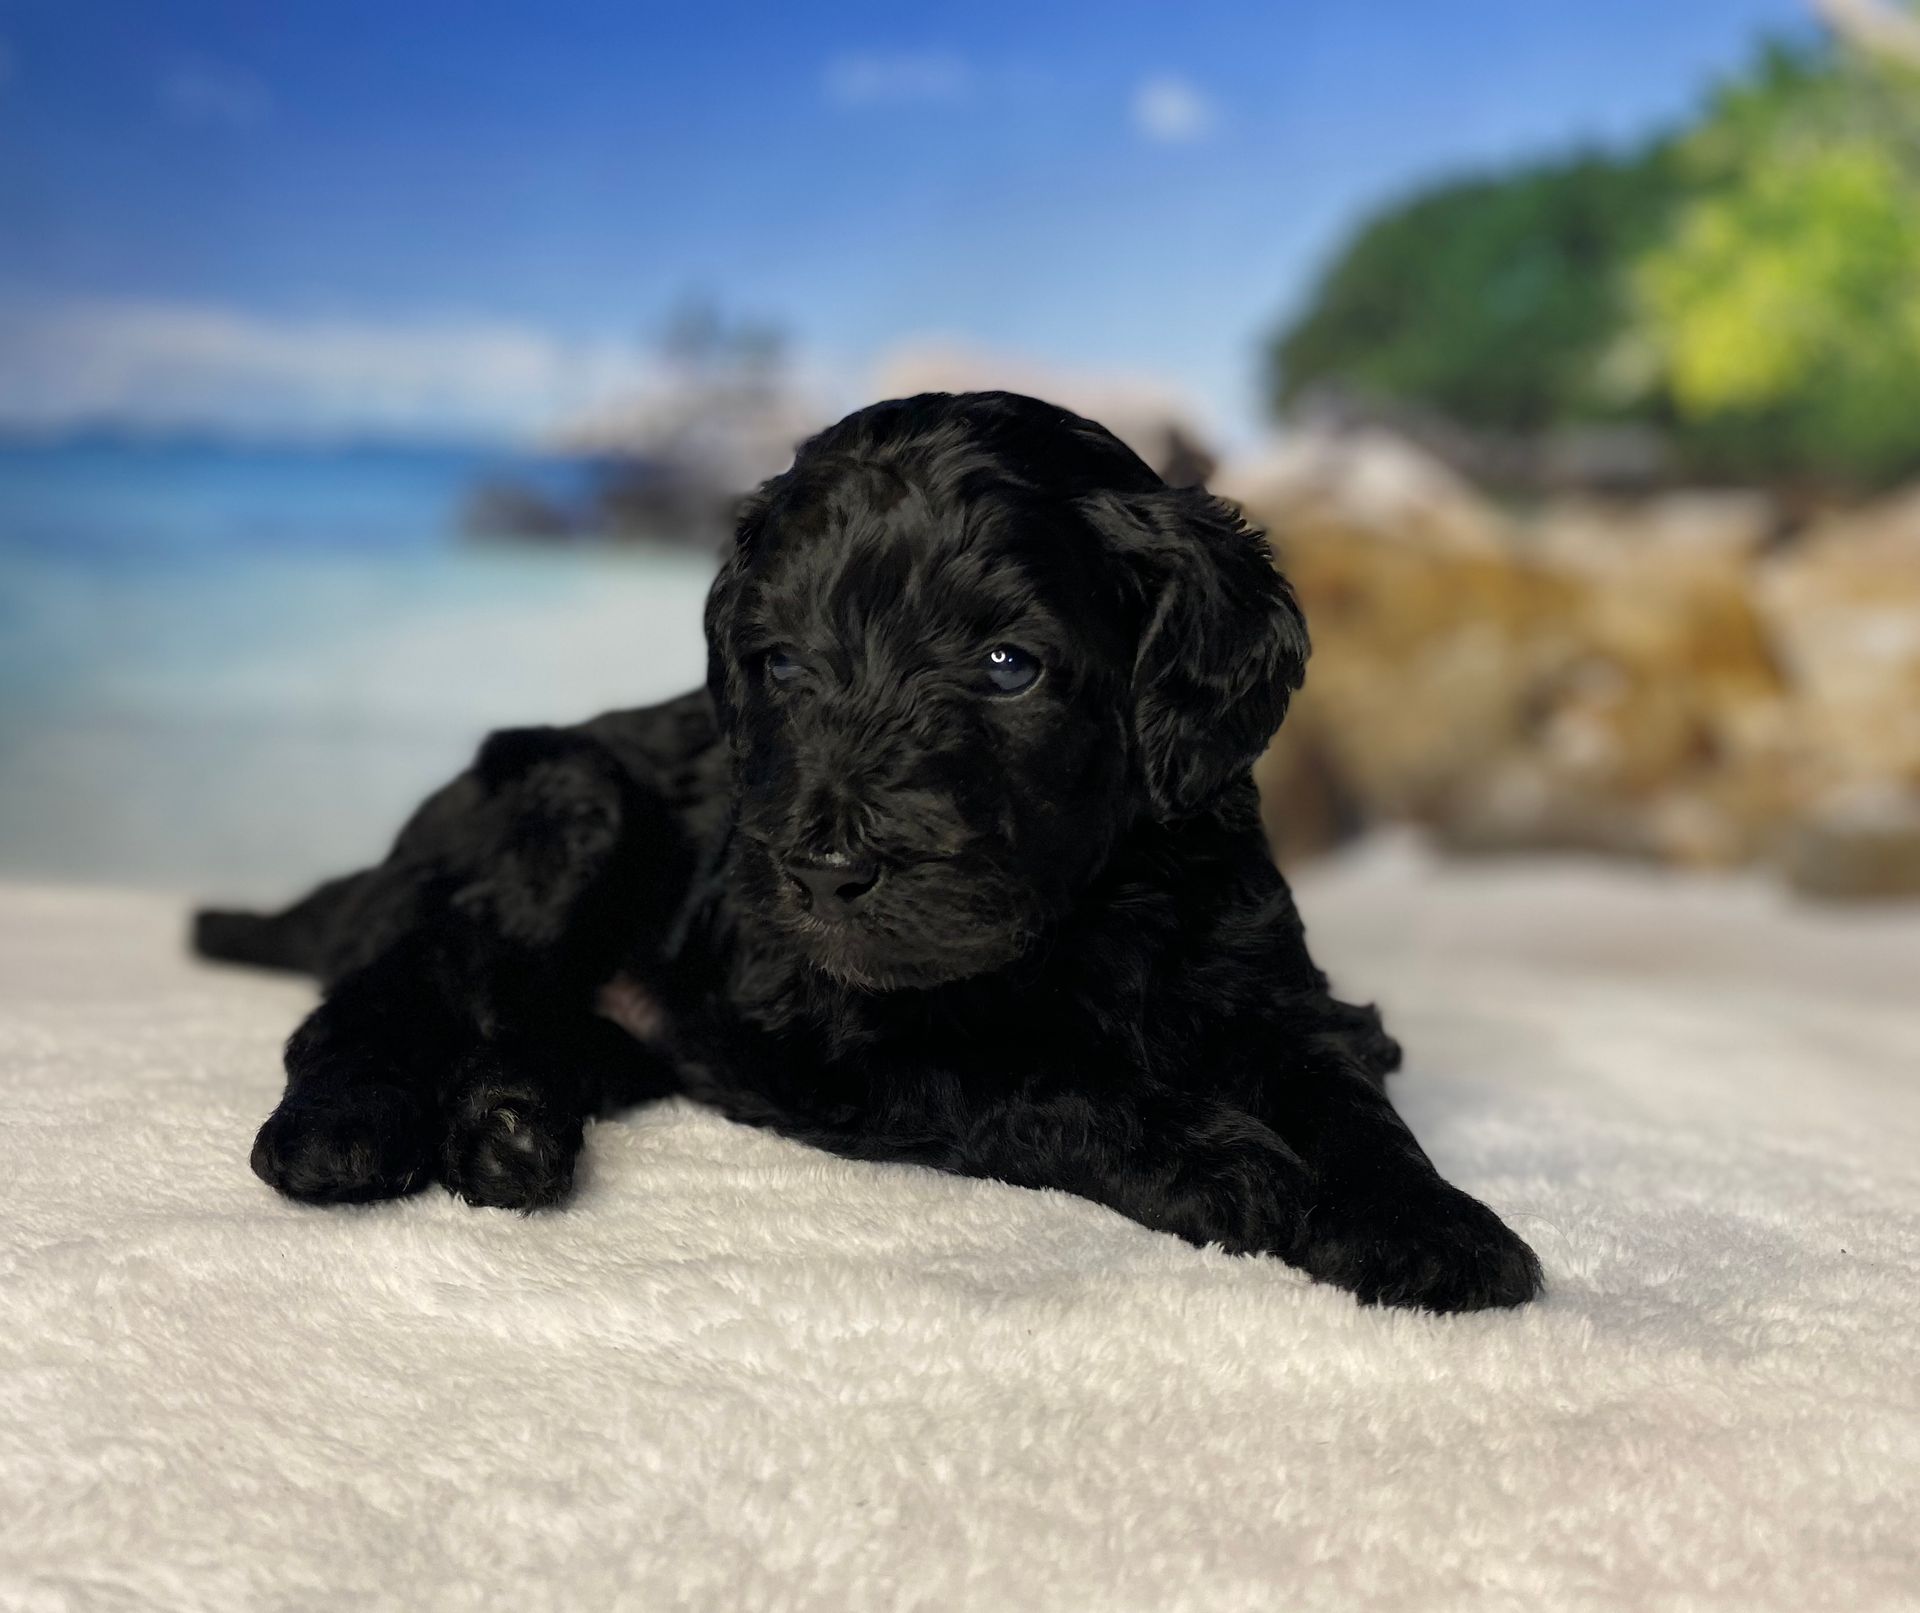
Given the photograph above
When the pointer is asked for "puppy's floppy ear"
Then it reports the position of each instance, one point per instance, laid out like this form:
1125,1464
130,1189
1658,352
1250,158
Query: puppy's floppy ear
1223,644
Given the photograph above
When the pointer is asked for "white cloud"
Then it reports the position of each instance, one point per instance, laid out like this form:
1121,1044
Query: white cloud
175,366
866,79
1172,110
215,95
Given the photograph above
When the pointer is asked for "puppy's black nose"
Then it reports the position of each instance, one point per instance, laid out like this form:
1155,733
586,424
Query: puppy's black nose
833,881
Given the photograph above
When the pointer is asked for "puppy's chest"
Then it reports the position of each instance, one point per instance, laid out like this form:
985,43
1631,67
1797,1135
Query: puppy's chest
994,1040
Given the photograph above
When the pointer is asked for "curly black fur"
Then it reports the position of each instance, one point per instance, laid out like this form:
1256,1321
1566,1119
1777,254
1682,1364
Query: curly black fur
861,892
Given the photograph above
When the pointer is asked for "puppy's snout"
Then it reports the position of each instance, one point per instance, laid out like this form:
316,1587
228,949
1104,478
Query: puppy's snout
833,882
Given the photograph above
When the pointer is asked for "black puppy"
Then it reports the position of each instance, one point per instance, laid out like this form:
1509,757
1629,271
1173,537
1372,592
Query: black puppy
956,860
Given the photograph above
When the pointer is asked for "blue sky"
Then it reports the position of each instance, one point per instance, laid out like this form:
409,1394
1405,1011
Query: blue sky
317,209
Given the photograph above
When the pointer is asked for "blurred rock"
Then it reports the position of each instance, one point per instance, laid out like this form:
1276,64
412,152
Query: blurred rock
1867,847
1183,462
1731,524
694,448
1425,620
666,503
1366,480
1596,456
502,509
719,409
1618,457
1660,679
1164,427
1843,609
1306,804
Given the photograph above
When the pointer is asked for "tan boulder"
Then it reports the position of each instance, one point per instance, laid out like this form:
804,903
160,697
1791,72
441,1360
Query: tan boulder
1577,681
1368,481
1843,609
1868,846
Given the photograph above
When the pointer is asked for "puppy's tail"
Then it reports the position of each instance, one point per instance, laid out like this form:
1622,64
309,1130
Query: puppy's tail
298,940
261,939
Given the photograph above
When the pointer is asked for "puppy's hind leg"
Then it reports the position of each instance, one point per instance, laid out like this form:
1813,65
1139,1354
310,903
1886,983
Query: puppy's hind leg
417,1068
464,1048
357,1122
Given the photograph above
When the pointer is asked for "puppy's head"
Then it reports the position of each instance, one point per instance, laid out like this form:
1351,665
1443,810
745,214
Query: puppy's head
959,649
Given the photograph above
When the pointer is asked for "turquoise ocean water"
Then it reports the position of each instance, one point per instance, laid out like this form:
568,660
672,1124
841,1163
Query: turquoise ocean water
234,666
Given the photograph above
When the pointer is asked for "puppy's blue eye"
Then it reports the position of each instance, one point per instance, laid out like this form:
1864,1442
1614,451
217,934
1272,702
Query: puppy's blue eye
1010,670
781,667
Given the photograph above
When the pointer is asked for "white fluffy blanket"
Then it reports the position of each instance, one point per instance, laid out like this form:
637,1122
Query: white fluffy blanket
735,1374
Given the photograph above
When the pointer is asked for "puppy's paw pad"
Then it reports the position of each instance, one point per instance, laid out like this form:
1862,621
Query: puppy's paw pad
370,1144
1433,1248
507,1149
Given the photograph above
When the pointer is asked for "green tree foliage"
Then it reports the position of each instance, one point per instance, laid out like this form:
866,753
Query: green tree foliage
1750,286
1491,301
1781,313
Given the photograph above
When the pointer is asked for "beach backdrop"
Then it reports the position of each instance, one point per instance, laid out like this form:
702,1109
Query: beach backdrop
370,379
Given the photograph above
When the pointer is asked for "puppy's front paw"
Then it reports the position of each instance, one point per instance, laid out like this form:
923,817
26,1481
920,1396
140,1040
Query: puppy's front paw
370,1143
1427,1246
510,1142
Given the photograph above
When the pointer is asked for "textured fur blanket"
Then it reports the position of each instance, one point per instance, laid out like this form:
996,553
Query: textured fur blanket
736,1374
